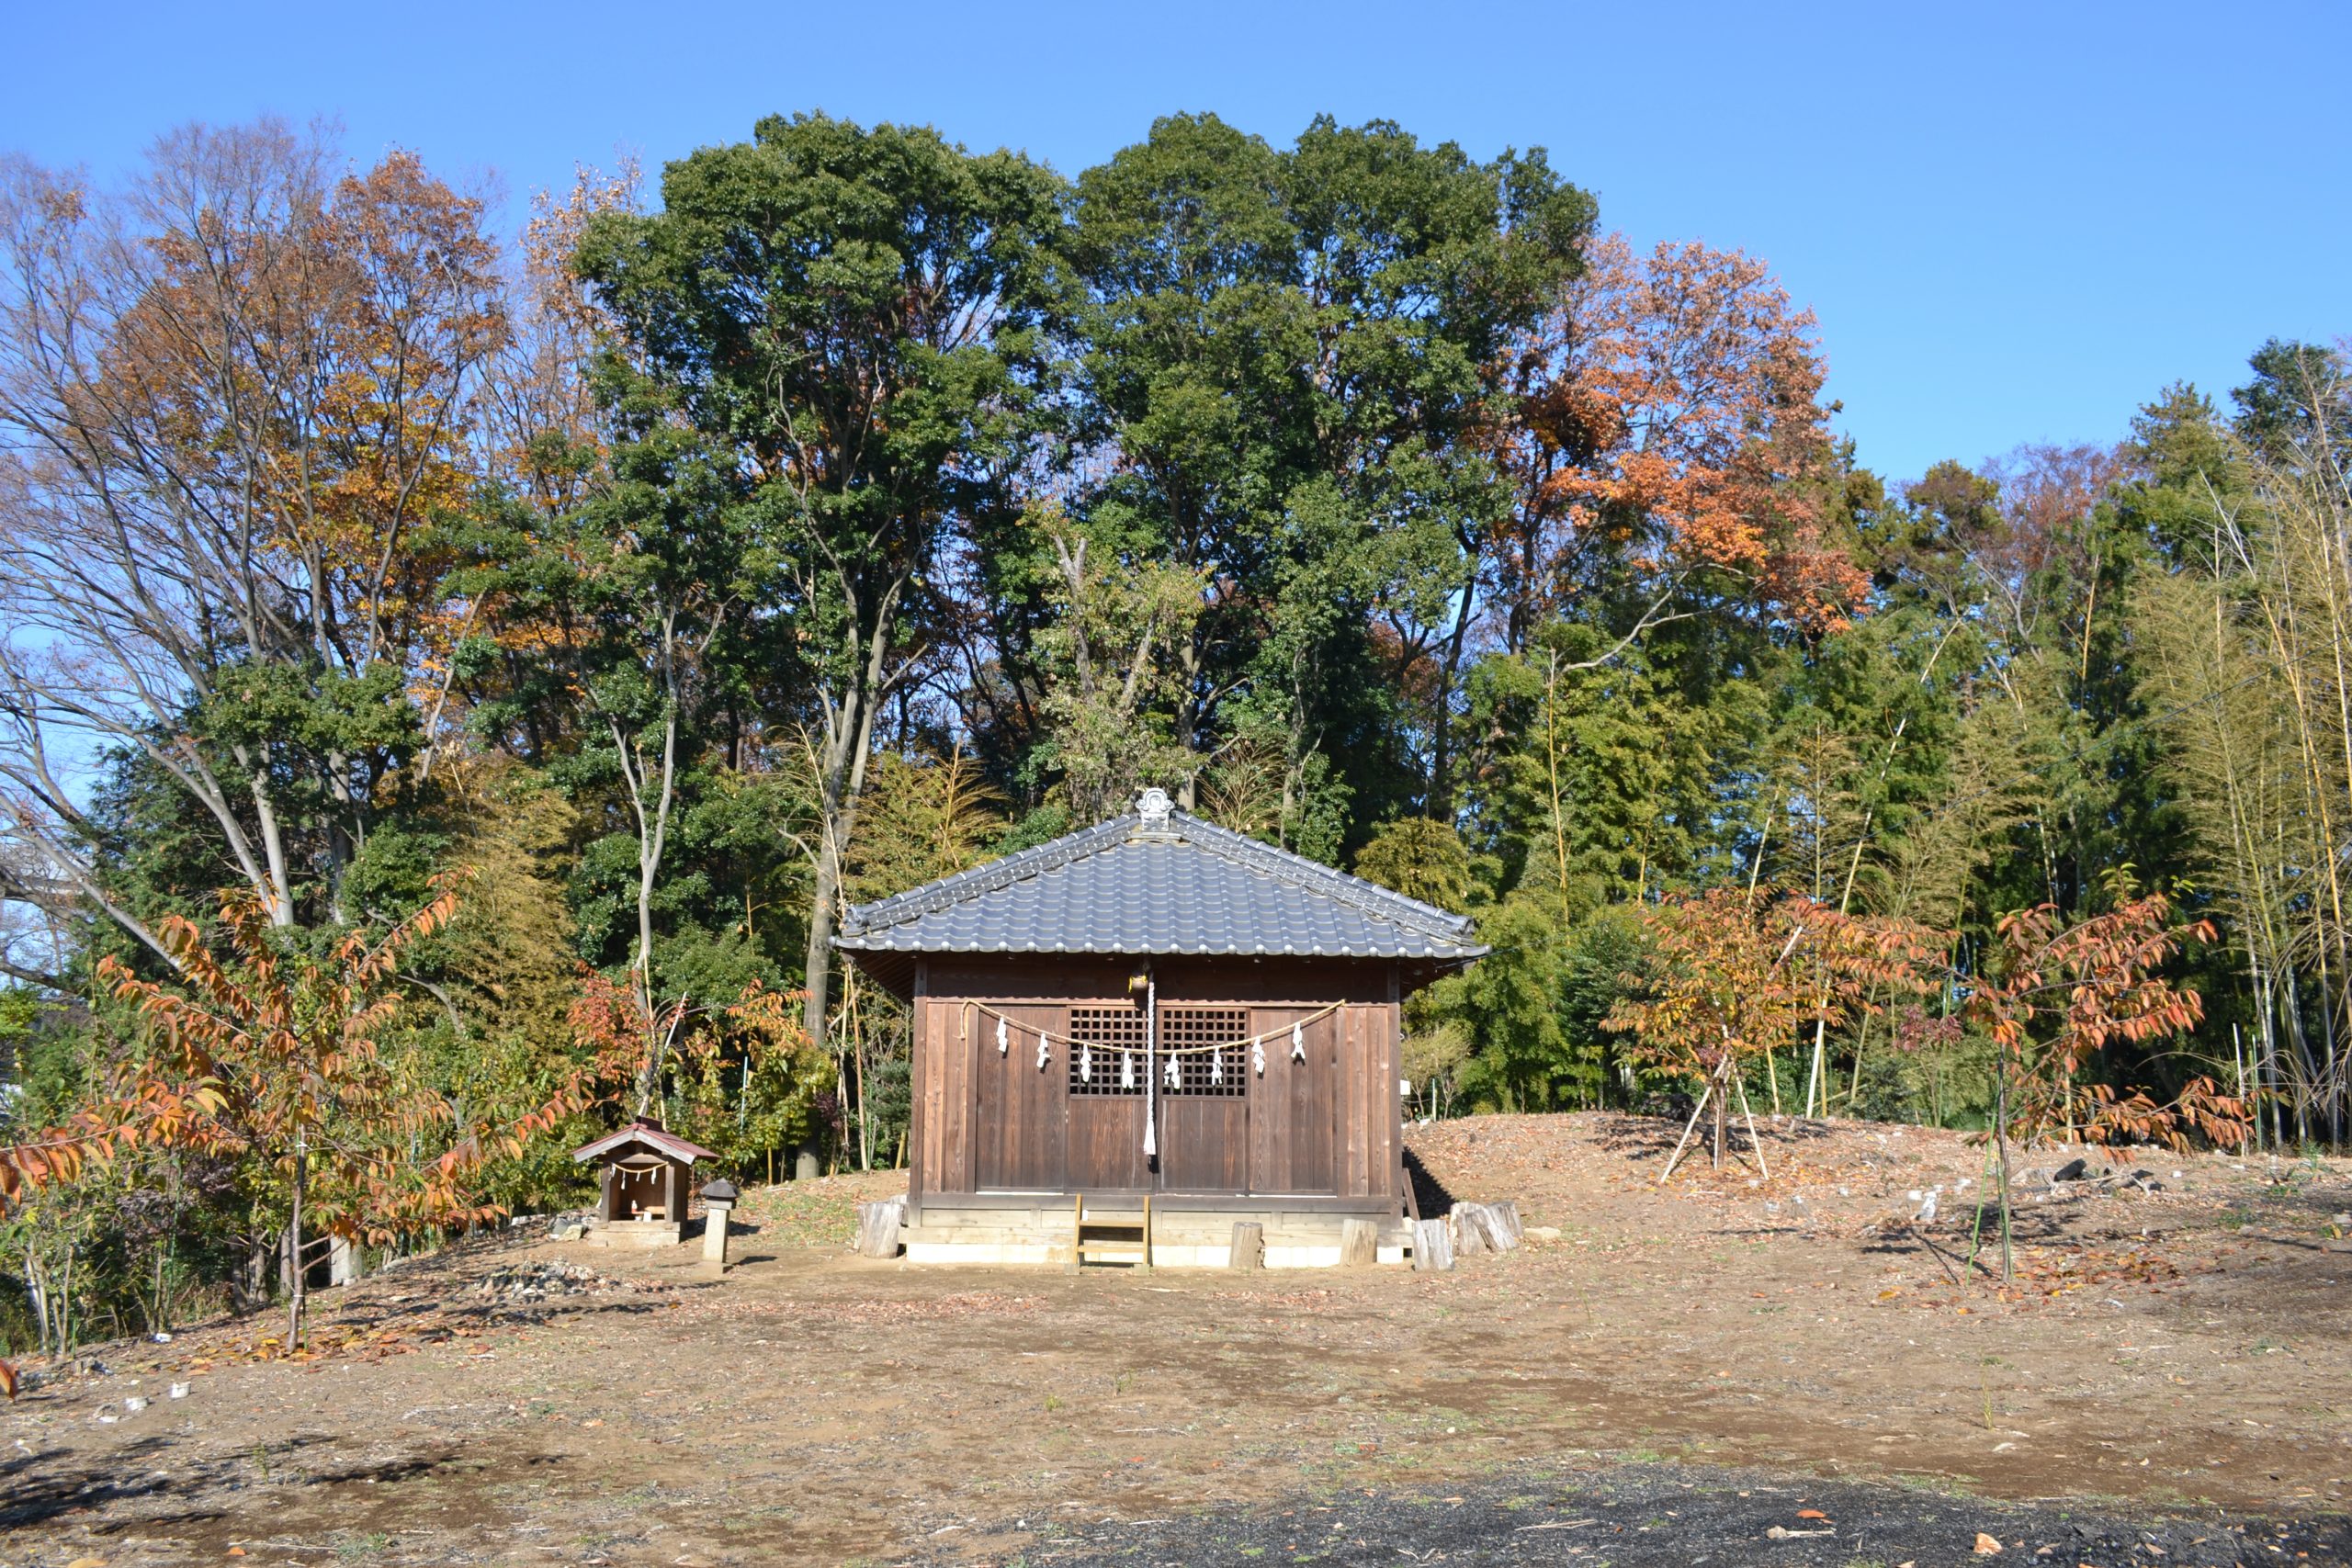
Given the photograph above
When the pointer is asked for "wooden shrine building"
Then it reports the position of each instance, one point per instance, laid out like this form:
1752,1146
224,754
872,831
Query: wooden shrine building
645,1183
1154,1021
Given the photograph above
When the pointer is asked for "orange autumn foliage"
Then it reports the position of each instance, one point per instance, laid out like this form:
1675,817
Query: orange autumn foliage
1734,974
1669,405
269,1050
130,1116
366,314
2061,995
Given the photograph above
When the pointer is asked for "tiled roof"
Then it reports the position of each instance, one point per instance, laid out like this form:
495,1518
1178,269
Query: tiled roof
1162,883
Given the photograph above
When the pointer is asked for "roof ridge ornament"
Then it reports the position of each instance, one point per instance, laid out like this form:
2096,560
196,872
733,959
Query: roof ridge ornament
1153,806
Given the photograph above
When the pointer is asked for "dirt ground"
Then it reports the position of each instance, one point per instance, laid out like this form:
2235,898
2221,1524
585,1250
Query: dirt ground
2174,1355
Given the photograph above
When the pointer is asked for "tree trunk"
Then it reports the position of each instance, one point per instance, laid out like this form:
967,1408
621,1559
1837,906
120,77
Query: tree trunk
652,843
2001,1140
1188,722
857,1049
1441,801
817,959
849,735
1723,1113
294,1248
37,1296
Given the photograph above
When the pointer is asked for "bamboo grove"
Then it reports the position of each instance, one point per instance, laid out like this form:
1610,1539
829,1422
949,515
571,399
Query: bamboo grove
451,686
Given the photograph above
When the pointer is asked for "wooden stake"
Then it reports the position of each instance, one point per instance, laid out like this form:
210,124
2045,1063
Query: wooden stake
1753,1141
1688,1128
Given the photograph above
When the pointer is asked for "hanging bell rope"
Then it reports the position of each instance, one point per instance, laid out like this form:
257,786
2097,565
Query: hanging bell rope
1150,1103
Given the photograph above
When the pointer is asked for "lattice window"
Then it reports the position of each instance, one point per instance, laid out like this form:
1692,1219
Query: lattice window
1106,1050
1224,1071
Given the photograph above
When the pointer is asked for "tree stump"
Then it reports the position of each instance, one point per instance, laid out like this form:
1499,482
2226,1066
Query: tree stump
1486,1227
1432,1247
878,1227
1249,1245
1359,1244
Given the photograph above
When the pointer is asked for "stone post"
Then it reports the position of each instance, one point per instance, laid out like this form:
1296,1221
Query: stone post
717,1202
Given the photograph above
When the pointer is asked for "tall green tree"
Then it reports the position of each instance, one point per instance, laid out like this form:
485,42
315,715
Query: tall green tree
642,603
854,316
1288,350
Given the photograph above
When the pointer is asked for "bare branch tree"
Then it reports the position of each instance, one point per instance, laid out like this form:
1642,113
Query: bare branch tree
229,395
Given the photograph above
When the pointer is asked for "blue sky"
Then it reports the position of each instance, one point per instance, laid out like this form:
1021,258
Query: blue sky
2015,222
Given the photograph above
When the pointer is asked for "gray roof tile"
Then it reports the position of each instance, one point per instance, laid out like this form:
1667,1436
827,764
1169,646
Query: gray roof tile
1181,887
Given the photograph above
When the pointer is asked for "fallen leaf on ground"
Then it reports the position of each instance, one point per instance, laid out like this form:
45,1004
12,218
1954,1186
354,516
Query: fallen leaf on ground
1986,1545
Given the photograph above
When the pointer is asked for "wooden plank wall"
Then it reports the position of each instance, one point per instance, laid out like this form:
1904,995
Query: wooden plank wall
1106,1143
1359,1118
1204,1144
942,1131
1330,1125
1294,1109
1022,1126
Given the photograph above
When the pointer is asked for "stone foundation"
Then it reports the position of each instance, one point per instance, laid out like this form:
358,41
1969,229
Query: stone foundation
635,1233
992,1229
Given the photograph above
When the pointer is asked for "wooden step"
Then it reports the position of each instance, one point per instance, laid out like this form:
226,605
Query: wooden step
1088,1242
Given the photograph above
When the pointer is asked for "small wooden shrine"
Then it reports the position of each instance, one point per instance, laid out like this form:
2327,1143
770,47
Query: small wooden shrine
1161,1032
645,1181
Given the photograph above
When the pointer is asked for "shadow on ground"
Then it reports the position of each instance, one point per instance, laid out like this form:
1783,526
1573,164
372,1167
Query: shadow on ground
1433,1196
1674,1516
